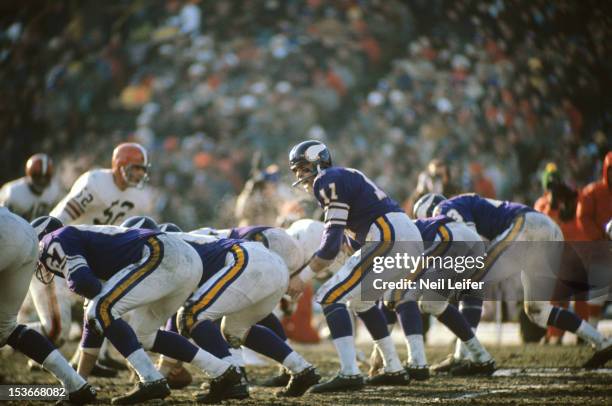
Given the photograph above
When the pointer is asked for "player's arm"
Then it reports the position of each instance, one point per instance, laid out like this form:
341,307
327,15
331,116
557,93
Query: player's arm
585,212
80,198
331,196
5,199
64,253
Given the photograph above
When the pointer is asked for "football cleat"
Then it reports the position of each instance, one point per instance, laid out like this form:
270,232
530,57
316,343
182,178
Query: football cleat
471,368
86,394
600,357
340,383
398,378
446,365
418,372
278,381
226,386
142,392
299,383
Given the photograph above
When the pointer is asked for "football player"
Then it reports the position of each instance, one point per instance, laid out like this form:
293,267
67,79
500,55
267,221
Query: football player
446,238
353,202
18,256
285,244
242,283
32,196
120,270
503,223
36,193
99,196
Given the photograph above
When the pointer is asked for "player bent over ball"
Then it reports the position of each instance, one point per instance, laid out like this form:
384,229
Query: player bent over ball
505,223
448,239
351,201
121,270
18,256
242,283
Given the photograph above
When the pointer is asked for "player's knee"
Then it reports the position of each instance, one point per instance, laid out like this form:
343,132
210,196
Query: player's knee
358,306
434,308
538,312
91,315
7,328
147,340
234,335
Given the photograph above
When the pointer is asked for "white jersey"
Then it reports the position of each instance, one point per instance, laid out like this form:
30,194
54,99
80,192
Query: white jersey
21,200
96,199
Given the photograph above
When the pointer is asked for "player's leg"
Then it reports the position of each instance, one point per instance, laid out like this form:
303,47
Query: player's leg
169,270
543,264
17,263
411,322
52,303
273,323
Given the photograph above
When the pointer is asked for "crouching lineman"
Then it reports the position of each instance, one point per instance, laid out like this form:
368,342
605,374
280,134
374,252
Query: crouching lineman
121,270
18,257
503,223
351,201
241,284
446,238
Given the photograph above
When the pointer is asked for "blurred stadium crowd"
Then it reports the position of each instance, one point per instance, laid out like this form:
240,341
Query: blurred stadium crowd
219,90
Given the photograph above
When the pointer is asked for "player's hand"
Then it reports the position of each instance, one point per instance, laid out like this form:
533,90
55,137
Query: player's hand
296,287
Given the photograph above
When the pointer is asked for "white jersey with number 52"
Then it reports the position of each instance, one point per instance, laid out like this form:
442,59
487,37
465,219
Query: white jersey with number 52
96,199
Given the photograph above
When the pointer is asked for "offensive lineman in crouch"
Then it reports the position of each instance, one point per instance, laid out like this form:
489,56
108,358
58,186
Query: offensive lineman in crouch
503,223
99,196
18,256
120,270
354,202
32,196
264,334
242,283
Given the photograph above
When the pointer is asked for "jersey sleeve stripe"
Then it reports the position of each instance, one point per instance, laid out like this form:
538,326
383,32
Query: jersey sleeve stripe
339,205
75,204
71,212
336,214
75,207
335,223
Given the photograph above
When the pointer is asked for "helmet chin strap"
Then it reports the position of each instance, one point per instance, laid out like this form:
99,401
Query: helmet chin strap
300,181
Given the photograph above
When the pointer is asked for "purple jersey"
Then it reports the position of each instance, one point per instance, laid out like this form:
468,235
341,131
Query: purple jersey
351,200
212,253
490,217
429,227
85,254
251,233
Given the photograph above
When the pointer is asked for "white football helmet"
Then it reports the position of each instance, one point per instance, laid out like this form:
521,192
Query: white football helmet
425,206
308,234
283,244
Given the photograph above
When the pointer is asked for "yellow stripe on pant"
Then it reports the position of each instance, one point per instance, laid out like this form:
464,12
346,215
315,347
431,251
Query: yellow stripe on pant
363,265
155,256
211,294
445,241
494,253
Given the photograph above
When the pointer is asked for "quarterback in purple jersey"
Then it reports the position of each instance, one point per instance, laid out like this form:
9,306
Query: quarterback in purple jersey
504,223
352,203
145,272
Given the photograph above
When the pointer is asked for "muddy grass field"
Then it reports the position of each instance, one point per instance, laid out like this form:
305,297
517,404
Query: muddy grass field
527,375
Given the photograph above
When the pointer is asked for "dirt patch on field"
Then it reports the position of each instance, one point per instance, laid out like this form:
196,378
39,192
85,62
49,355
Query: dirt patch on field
528,375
